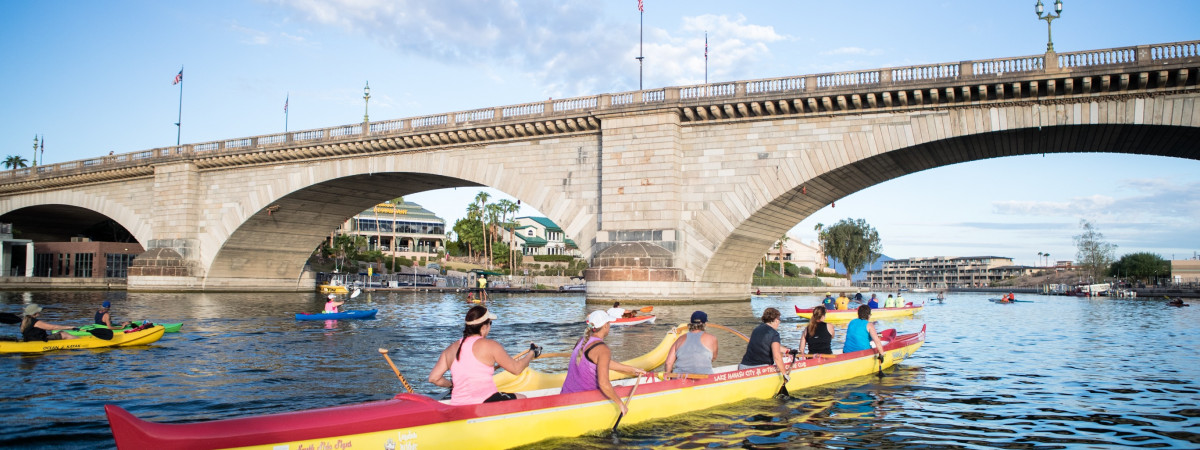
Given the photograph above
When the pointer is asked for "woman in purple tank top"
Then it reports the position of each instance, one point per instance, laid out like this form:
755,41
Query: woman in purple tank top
591,360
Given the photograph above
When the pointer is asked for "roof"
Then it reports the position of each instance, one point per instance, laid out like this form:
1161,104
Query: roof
404,211
545,223
532,241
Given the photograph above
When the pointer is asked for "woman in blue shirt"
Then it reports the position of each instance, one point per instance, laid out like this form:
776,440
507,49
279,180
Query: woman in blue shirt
861,333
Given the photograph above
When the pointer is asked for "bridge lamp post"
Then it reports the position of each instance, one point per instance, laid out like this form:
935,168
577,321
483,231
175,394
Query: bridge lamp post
1049,18
366,101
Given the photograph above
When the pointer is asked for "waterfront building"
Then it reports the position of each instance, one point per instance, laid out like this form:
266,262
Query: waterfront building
539,236
403,230
940,272
80,257
1184,271
15,254
799,254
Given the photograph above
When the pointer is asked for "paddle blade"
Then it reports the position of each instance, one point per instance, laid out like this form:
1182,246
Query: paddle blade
9,318
356,293
102,333
646,309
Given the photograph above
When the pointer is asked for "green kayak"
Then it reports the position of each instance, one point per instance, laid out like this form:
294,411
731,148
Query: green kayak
170,327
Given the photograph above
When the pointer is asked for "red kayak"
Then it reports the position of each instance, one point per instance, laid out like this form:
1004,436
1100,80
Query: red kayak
624,321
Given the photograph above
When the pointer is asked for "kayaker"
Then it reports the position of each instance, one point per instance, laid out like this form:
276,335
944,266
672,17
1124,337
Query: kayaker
331,305
818,335
842,302
482,282
829,302
616,312
765,347
861,333
874,302
889,302
697,350
591,359
103,317
471,362
33,329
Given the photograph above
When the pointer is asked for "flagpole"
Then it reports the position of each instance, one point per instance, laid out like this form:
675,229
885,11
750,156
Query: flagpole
179,120
285,111
641,25
705,56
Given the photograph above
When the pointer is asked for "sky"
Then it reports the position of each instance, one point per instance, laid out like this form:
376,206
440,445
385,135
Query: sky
94,77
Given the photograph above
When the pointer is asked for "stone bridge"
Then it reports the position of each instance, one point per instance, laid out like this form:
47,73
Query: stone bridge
672,193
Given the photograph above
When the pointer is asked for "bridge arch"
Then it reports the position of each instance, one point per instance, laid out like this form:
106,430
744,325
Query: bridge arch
263,238
63,205
946,140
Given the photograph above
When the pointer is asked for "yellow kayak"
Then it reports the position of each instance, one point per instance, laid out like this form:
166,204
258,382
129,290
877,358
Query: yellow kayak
531,380
119,339
846,315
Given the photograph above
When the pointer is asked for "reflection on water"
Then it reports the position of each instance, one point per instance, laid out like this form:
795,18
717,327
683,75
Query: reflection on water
1060,372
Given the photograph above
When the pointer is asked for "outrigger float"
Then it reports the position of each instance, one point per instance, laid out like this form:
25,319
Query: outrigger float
846,315
413,421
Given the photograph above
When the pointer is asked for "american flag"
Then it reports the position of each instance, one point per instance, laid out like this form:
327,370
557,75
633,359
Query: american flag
705,46
641,7
285,103
178,77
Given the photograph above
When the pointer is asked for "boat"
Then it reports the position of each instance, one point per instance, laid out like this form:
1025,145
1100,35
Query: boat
83,331
368,314
626,321
119,339
997,300
845,315
414,421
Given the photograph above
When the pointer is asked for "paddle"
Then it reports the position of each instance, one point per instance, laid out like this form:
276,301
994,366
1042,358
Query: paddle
9,318
627,401
646,309
102,333
536,349
879,356
731,330
407,387
356,293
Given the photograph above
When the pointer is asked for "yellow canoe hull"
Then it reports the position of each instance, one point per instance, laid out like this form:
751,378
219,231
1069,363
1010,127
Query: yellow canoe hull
846,315
653,400
119,339
532,380
331,289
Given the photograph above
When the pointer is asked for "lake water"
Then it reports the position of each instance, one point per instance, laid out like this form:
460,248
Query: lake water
1057,373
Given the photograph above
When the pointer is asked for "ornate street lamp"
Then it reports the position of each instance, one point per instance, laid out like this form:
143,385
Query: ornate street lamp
367,99
1049,18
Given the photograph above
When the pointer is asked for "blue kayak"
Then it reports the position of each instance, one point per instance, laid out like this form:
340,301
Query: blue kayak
370,314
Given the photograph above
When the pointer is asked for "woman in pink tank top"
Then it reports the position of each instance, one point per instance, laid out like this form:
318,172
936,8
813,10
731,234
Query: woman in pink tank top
471,362
591,360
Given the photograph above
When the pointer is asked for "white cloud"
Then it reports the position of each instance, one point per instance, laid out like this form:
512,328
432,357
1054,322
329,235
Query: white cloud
569,47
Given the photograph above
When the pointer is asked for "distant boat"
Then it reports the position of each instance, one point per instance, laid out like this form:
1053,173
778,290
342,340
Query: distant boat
920,290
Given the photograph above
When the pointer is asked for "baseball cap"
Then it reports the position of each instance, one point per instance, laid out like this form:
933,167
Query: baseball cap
32,309
699,317
597,319
106,304
331,296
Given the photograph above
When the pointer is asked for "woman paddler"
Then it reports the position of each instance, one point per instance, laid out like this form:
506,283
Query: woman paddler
818,335
591,360
33,329
471,362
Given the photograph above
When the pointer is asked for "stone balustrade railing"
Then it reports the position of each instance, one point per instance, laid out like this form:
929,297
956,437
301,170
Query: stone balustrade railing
1143,56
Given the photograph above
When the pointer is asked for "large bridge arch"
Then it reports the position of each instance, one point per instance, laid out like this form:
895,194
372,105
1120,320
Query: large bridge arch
75,204
948,142
263,237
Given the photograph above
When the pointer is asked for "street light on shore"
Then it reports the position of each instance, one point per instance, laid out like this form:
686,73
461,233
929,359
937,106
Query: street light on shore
1049,18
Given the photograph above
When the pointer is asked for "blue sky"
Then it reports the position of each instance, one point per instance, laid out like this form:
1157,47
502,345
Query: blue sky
94,77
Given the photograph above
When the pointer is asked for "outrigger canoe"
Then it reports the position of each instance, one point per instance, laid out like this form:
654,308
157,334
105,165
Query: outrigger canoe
416,421
846,315
369,314
119,339
997,300
626,321
83,331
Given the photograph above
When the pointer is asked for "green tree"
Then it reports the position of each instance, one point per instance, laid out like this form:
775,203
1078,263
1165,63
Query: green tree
470,234
481,200
781,244
1093,253
346,249
853,242
15,162
1140,266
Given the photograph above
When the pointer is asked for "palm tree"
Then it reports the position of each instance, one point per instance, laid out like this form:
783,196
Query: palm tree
820,229
473,213
782,242
15,162
493,217
481,201
510,208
